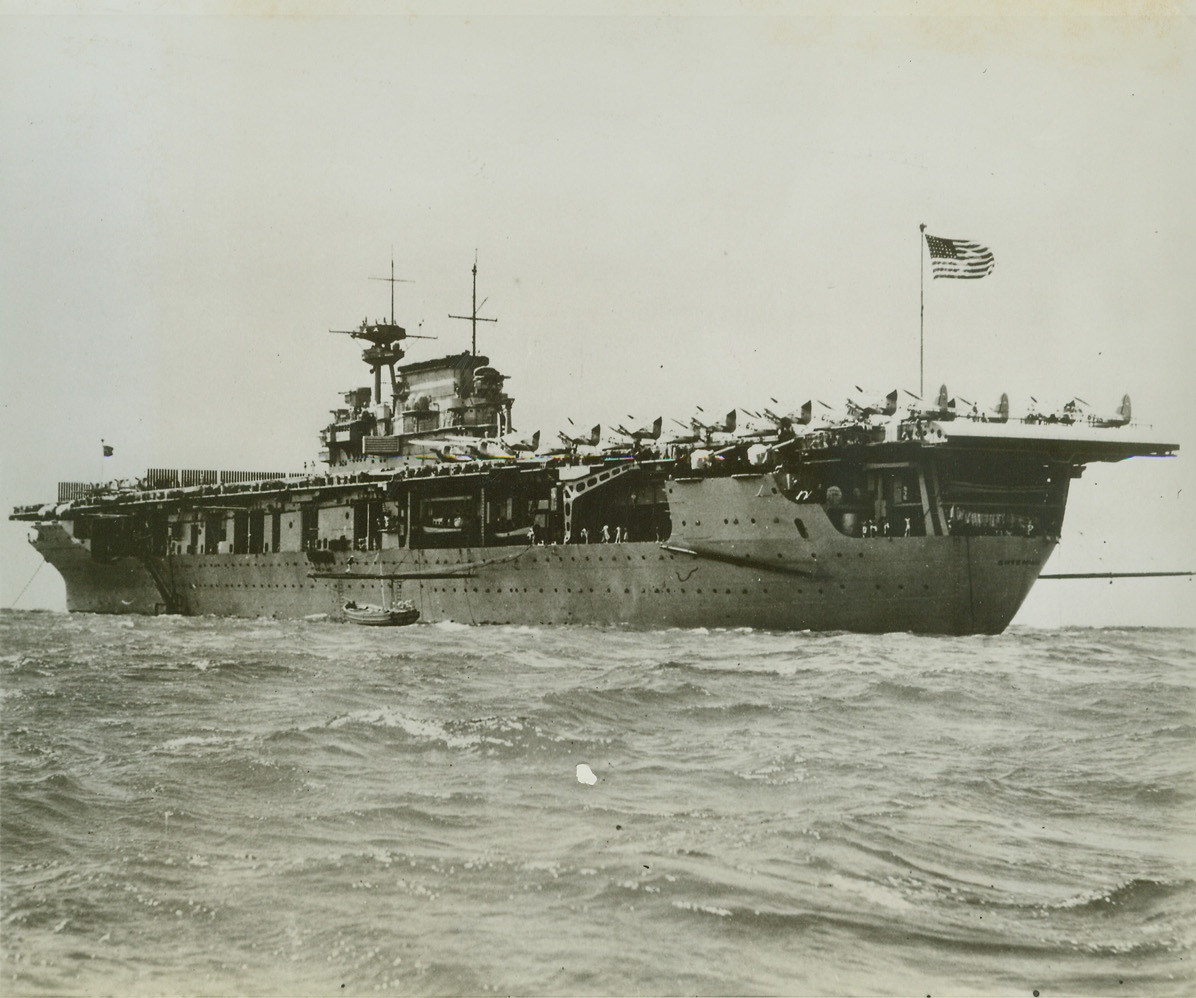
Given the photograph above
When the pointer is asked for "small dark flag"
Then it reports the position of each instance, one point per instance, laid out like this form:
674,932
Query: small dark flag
959,258
107,450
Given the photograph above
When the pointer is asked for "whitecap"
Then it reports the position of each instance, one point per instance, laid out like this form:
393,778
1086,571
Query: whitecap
192,741
871,891
707,909
388,717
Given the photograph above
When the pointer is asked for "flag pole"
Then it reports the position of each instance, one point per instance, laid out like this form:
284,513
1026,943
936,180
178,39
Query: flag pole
921,313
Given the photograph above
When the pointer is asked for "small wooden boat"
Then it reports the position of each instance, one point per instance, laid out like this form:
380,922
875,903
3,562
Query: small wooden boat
378,616
523,533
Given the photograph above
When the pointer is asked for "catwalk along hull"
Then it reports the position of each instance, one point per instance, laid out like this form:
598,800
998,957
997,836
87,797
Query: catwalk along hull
756,570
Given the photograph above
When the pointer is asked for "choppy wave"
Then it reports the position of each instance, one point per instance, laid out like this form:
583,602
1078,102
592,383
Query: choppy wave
212,806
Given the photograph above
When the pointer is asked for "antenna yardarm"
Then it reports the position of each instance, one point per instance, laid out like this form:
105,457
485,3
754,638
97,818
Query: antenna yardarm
473,317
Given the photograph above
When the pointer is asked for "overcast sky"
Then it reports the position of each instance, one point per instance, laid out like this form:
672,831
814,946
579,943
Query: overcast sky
668,211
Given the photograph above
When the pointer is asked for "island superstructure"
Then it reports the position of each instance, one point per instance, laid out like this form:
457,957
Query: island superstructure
883,517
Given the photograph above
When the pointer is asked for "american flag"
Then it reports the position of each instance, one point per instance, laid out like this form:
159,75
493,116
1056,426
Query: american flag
959,258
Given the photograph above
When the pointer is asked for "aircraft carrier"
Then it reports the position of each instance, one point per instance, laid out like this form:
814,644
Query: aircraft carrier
882,516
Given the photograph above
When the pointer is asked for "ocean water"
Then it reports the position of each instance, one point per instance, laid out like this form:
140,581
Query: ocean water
205,806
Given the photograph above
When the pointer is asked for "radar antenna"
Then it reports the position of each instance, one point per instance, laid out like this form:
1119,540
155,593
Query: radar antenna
385,339
474,318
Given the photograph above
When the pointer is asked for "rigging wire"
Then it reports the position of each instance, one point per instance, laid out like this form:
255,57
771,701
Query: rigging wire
13,606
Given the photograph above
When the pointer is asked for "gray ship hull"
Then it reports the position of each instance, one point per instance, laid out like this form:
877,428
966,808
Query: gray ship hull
750,569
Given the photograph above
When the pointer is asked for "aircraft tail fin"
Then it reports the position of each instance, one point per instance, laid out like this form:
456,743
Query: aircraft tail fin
1003,408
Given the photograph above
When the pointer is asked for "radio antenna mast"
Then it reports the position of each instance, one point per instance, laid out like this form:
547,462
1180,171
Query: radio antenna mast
474,318
393,281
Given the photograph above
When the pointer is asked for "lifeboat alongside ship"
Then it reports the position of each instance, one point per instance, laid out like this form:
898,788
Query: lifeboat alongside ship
380,616
872,520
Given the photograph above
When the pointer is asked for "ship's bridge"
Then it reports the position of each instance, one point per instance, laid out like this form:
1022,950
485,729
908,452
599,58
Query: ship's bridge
456,396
